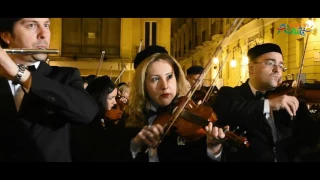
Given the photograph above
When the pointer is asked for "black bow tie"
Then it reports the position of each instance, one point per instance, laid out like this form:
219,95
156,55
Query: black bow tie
260,95
152,112
32,68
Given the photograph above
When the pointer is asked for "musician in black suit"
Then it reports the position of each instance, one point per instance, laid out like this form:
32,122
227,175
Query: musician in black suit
277,127
158,82
37,104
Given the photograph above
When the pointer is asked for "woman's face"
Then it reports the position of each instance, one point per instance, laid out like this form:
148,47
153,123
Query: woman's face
126,93
161,83
111,99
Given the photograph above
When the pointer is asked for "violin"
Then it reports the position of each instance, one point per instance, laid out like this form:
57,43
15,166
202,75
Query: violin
201,95
309,93
115,113
315,111
192,121
306,92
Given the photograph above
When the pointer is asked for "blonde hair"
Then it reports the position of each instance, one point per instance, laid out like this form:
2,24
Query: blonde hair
123,88
139,102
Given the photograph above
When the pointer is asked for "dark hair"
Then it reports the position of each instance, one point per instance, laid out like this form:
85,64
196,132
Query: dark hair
91,78
84,79
6,25
147,52
99,89
260,49
195,70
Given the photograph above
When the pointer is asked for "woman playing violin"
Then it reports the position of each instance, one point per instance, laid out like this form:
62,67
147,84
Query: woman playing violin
277,126
95,142
157,82
114,114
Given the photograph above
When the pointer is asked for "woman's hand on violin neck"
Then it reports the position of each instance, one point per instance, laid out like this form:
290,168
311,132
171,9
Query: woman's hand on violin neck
149,135
289,103
215,136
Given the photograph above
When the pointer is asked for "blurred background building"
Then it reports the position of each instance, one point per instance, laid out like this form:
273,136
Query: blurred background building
192,41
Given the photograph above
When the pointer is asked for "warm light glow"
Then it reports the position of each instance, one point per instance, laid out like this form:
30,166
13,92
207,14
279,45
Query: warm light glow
310,23
233,63
215,61
245,60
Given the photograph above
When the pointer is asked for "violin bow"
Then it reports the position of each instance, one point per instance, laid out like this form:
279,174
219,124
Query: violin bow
100,63
124,68
235,25
140,46
97,74
206,97
301,65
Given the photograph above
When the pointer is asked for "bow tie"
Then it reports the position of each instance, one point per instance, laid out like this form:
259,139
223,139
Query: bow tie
32,68
152,112
260,95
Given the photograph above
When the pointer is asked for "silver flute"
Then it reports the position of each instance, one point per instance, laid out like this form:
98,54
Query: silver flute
31,51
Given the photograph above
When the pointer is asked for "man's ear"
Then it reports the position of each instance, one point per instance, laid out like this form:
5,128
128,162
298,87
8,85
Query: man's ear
5,36
251,67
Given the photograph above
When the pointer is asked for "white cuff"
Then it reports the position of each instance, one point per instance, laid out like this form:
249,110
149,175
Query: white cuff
214,156
134,148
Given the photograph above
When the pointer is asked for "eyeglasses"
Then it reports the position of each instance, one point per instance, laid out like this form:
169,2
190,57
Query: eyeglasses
272,65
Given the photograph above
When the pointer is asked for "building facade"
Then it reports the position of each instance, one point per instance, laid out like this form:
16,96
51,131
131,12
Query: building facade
194,41
82,41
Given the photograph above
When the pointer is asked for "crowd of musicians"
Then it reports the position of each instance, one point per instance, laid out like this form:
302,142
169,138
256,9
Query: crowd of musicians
52,114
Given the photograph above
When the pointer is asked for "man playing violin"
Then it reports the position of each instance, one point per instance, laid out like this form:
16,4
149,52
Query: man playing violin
193,73
278,127
114,114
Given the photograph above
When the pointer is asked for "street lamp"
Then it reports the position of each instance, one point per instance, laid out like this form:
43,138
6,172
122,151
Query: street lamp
215,62
233,63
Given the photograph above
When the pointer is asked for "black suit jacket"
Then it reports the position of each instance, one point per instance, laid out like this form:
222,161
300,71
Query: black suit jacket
238,107
40,130
95,143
